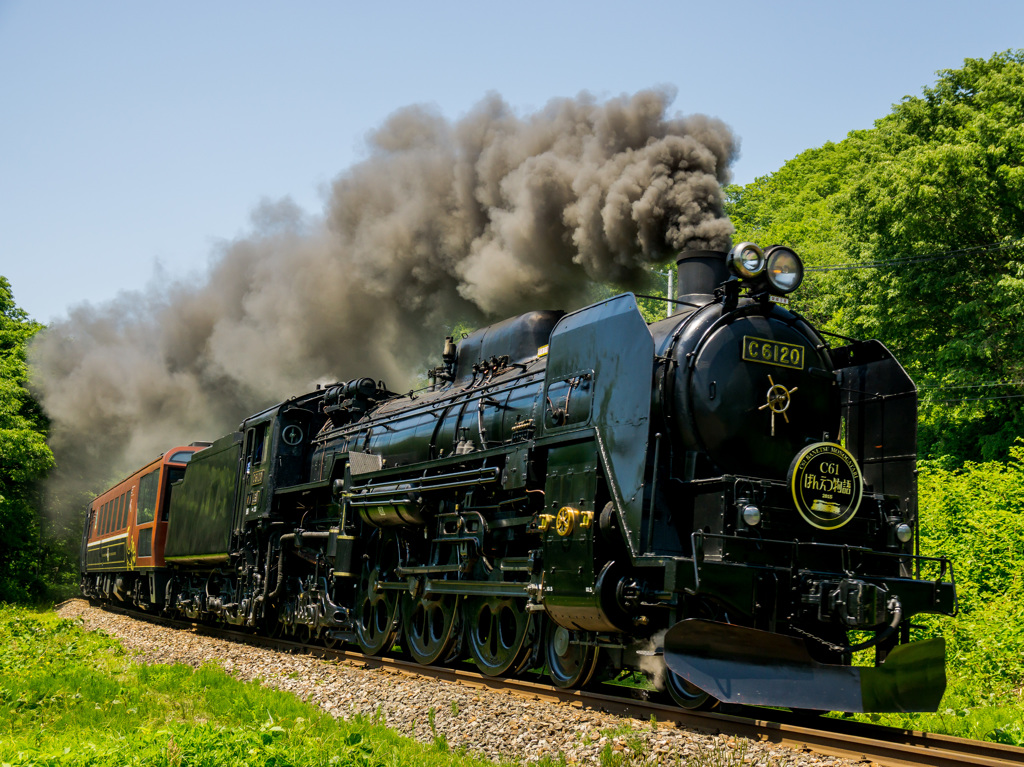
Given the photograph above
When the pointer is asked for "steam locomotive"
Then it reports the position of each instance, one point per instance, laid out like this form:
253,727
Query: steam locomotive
721,500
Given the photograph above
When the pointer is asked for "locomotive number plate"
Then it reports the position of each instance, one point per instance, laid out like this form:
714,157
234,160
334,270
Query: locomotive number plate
769,352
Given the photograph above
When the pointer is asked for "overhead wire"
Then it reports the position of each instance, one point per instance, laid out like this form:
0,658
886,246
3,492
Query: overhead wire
924,258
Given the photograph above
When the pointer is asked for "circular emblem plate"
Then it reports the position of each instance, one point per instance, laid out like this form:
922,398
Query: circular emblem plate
566,520
827,485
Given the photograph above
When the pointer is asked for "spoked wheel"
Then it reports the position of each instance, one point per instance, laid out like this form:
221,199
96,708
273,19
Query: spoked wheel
686,695
329,641
377,608
496,633
569,664
305,634
430,627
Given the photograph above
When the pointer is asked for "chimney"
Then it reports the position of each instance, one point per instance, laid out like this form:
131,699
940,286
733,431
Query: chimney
700,272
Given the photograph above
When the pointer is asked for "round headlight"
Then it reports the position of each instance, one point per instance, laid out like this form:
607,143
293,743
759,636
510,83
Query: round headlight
752,515
904,533
784,269
746,260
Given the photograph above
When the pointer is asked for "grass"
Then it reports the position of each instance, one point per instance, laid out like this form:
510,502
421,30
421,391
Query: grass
68,697
968,710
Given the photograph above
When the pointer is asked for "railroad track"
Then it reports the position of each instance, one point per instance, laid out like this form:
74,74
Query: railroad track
848,739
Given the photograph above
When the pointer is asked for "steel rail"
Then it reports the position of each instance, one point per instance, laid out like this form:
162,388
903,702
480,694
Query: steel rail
857,741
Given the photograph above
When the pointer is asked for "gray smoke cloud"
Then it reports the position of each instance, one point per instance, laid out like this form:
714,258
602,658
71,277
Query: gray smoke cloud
471,220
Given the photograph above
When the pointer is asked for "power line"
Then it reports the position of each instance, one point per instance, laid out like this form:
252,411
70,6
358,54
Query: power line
970,399
971,386
942,256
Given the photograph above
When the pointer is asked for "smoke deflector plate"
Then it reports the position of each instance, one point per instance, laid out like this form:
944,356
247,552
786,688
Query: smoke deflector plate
751,667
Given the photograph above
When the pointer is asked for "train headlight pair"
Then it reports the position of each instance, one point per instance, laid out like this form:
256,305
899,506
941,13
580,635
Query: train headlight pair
780,266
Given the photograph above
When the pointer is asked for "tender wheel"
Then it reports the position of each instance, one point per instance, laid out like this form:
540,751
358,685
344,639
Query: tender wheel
496,634
569,664
377,608
686,695
430,627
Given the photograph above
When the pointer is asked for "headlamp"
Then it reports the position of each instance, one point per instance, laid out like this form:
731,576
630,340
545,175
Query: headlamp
784,269
746,260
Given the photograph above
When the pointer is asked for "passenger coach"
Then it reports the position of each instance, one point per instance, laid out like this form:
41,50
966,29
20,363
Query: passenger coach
123,541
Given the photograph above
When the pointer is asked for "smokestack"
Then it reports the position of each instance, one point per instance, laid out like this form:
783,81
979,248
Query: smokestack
700,272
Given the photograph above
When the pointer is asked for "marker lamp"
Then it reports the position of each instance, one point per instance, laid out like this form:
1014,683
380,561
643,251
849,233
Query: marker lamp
752,515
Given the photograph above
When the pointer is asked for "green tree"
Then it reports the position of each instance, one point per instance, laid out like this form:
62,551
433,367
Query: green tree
944,174
940,181
24,458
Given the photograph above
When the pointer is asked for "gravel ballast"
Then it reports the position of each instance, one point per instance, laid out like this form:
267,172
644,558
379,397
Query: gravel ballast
495,725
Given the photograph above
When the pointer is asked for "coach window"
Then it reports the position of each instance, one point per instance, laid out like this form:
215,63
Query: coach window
145,509
127,508
105,517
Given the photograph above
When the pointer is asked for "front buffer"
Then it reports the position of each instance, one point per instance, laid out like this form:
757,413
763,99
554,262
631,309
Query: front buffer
748,666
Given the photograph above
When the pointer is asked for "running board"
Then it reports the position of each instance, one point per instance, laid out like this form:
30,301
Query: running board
757,668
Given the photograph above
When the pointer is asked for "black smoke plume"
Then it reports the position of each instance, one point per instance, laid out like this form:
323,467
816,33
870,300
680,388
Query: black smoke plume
444,221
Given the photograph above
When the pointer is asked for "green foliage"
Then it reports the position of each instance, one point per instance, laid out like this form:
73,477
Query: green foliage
975,516
68,697
942,174
24,458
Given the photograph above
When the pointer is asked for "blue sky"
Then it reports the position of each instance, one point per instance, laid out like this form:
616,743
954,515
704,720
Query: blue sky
136,136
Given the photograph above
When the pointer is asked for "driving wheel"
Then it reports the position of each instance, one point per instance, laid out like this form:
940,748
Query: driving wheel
496,633
377,607
430,627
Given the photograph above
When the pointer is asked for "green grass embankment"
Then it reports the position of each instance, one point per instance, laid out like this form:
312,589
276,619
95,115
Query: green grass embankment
69,697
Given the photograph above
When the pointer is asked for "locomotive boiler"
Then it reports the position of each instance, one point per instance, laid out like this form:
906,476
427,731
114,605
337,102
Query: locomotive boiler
722,500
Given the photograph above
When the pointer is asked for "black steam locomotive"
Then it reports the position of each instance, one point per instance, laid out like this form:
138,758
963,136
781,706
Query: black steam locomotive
721,500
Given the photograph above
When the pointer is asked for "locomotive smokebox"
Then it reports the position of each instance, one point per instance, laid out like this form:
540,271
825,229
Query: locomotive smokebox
700,272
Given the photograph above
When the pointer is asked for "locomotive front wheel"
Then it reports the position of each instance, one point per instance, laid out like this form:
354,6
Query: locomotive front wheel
430,627
377,608
570,664
496,634
686,695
